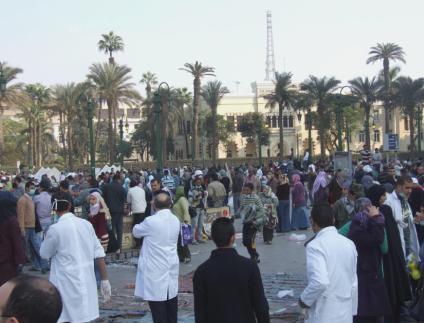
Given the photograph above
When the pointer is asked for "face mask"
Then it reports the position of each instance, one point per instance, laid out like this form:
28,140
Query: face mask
31,192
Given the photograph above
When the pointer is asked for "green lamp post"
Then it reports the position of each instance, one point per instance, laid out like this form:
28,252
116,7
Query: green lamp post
121,140
90,111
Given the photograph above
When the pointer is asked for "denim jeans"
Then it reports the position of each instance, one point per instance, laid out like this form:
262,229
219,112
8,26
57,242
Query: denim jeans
197,223
33,243
236,202
283,212
117,227
299,218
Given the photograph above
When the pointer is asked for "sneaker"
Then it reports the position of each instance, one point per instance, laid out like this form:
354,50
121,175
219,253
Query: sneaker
187,260
195,243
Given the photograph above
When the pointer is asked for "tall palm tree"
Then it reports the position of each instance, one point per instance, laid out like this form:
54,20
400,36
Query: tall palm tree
213,92
182,99
113,85
66,99
283,96
409,94
197,70
149,79
320,91
12,96
109,44
366,91
386,52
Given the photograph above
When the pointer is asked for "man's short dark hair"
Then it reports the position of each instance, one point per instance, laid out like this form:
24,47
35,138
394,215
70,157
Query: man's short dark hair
133,183
29,184
402,180
117,177
18,179
166,172
213,176
155,180
64,184
249,185
33,300
222,231
323,215
162,201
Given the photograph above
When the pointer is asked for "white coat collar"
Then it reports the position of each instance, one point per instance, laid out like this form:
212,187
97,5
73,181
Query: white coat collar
325,230
65,216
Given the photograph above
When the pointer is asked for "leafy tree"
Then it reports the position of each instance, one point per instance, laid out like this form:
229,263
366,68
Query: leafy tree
252,127
113,86
366,92
198,71
142,139
150,80
320,92
181,99
283,96
109,44
386,52
212,93
409,95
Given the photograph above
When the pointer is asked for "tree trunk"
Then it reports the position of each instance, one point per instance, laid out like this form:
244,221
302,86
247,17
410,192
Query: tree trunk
114,150
215,141
62,134
411,131
69,138
1,137
34,158
387,107
187,146
164,124
281,130
321,131
367,126
111,150
97,127
196,107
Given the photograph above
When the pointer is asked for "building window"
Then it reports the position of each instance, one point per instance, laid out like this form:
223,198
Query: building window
376,116
238,122
405,123
377,135
180,127
230,120
285,122
291,122
188,126
274,121
362,136
268,121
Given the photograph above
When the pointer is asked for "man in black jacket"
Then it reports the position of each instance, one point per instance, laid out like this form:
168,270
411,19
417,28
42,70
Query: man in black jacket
228,287
115,196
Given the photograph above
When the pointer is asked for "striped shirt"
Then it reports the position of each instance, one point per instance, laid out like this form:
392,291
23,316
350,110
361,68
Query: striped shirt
168,182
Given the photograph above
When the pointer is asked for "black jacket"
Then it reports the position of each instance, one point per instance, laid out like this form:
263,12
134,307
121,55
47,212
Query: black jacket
115,197
228,289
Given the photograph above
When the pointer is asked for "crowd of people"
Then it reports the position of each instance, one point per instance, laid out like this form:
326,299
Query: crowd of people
363,263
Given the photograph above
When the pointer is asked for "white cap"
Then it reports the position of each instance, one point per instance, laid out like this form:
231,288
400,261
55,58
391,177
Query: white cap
198,173
367,169
414,180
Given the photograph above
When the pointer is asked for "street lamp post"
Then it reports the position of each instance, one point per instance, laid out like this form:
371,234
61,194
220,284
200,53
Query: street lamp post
309,123
90,110
419,124
339,115
121,141
157,108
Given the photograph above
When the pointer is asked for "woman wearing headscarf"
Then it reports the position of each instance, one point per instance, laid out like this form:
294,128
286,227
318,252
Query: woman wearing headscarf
367,232
395,274
270,203
319,189
12,254
299,219
180,209
98,216
283,195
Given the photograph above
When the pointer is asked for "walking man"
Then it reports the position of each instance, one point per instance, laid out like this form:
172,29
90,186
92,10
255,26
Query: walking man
228,287
332,291
158,265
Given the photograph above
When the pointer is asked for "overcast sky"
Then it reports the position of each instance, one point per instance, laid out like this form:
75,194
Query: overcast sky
55,41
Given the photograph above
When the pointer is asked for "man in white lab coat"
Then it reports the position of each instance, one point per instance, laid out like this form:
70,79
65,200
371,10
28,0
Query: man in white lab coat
331,295
73,247
158,265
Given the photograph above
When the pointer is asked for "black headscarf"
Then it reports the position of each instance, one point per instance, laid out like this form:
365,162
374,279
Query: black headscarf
374,193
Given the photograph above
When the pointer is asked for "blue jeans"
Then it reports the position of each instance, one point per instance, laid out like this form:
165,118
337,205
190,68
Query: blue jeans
299,218
33,243
236,202
197,223
283,212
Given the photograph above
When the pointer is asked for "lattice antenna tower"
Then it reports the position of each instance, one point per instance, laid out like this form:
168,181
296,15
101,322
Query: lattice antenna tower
270,59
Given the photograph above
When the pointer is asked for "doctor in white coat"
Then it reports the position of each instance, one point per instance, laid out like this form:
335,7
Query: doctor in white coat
72,245
158,265
331,295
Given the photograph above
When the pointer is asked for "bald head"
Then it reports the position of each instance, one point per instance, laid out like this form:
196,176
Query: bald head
162,201
30,299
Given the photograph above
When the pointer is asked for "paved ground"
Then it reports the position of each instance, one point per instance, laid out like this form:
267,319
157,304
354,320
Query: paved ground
282,267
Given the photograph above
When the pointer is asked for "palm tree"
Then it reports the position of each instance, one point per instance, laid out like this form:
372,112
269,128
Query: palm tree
283,96
212,93
197,70
386,52
181,99
12,96
366,91
320,91
109,44
150,80
409,95
113,85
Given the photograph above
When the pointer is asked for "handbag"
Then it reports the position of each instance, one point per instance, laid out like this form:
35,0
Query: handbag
192,212
186,237
416,310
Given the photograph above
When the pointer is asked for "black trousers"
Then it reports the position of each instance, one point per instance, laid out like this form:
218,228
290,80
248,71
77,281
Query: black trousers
268,234
164,311
183,251
117,227
249,236
137,219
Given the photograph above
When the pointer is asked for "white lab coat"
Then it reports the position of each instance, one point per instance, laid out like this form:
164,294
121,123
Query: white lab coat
158,265
396,206
72,245
332,290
